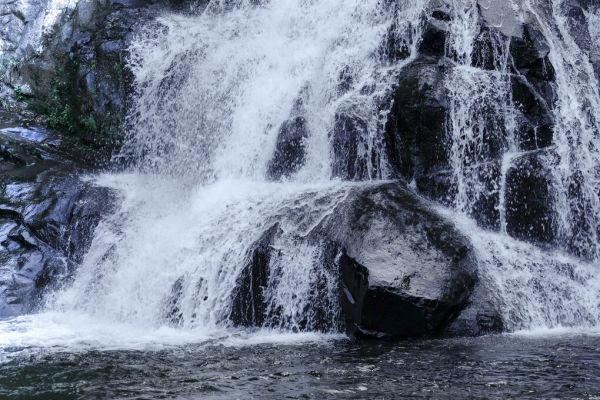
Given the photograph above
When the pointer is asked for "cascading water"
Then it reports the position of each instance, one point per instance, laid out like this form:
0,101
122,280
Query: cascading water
533,288
215,89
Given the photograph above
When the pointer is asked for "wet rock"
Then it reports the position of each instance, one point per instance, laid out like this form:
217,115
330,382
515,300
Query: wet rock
350,152
480,317
289,153
47,216
415,140
416,136
530,54
403,270
421,271
502,15
533,88
433,41
80,72
529,209
536,123
249,301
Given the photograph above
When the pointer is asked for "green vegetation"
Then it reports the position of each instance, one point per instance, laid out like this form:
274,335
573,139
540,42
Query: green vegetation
89,123
19,94
61,118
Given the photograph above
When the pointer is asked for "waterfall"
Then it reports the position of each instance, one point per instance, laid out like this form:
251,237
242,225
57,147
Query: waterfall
216,90
213,91
251,67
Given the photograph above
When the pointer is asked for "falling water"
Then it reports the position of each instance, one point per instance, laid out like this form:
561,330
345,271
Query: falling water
532,287
213,91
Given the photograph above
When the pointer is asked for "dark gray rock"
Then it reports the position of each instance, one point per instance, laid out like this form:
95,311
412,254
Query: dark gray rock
421,270
249,301
348,141
289,153
480,317
529,210
415,138
416,134
47,216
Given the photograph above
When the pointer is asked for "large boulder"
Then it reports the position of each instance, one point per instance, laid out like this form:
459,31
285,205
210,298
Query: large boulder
404,271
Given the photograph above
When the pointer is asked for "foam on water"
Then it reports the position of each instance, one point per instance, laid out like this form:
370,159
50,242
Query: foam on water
52,332
172,253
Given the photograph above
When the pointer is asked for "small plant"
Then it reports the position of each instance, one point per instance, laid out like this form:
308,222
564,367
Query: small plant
60,118
20,94
89,123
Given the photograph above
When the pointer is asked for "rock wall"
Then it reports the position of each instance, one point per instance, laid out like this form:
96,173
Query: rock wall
47,214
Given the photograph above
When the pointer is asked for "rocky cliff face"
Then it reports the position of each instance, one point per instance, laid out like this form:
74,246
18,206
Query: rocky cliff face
66,62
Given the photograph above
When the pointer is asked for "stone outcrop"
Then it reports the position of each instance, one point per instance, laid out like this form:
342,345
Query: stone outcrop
47,215
73,71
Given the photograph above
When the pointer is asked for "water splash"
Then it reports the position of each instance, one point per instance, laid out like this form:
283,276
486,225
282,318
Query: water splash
534,288
482,119
576,135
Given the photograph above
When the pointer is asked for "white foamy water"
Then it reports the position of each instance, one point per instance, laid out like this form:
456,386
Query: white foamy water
212,93
247,68
167,236
51,332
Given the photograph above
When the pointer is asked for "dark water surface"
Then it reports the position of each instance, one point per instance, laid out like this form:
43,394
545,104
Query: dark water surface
496,367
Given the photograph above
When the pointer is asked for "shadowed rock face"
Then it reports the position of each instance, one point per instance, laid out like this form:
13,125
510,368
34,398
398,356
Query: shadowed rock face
289,155
248,308
529,214
403,270
47,216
